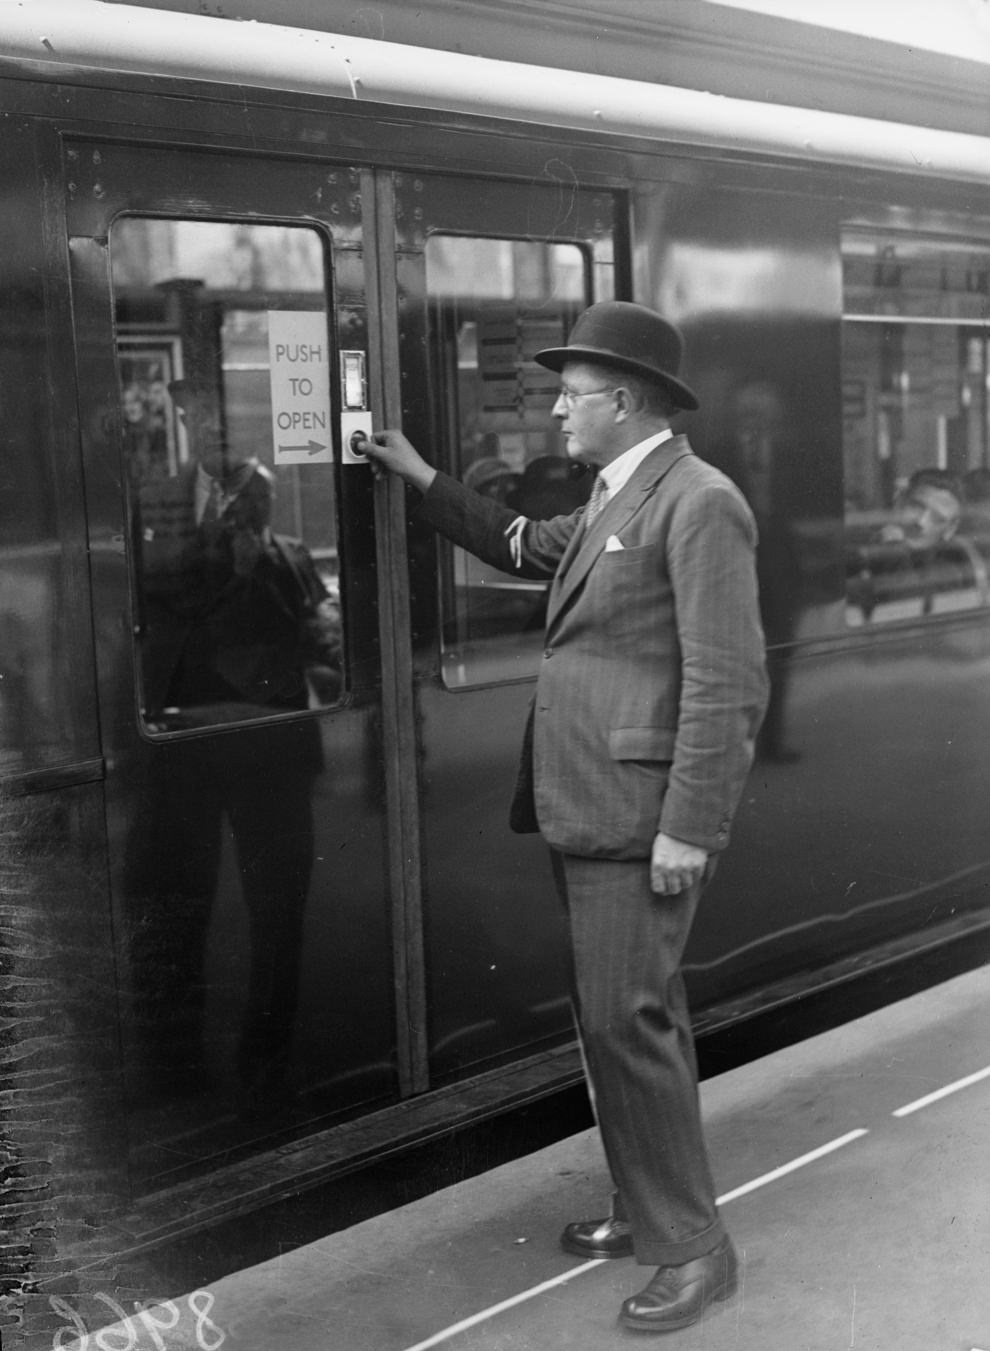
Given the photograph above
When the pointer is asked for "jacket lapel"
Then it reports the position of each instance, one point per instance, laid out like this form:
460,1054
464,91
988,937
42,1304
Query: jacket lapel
586,544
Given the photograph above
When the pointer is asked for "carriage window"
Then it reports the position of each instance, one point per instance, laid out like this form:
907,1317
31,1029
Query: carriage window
223,356
493,304
916,376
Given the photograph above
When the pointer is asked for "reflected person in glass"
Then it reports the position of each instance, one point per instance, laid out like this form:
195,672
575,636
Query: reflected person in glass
236,627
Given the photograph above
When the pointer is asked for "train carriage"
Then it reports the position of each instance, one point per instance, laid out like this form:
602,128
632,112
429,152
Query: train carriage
260,930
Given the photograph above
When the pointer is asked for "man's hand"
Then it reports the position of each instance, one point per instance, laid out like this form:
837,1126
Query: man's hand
675,865
390,450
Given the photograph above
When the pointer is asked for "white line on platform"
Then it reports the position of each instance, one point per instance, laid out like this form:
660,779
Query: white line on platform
792,1166
439,1338
910,1107
523,1295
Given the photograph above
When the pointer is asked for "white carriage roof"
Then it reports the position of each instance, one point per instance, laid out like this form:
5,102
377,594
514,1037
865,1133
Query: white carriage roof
91,34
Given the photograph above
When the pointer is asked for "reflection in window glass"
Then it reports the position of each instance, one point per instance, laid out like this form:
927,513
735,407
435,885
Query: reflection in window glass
493,304
915,348
223,353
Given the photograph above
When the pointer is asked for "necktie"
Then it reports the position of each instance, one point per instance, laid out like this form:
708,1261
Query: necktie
214,504
597,500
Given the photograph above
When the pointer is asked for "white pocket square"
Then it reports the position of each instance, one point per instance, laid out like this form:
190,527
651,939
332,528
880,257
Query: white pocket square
613,543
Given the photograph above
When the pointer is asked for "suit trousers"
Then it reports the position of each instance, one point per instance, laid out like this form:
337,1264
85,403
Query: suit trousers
633,1019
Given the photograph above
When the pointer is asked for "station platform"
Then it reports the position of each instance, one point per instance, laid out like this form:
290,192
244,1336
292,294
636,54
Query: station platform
854,1171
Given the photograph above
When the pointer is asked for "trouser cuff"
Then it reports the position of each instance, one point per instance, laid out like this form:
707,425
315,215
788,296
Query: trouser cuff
661,1254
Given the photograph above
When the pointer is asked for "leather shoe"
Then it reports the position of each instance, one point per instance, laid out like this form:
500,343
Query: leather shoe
678,1296
598,1238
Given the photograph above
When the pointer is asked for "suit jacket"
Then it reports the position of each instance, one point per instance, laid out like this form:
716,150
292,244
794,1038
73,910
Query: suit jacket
653,682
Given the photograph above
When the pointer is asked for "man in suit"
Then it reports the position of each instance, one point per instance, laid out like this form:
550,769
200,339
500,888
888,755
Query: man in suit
641,733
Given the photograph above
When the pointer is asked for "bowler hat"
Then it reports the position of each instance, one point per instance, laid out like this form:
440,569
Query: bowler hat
631,337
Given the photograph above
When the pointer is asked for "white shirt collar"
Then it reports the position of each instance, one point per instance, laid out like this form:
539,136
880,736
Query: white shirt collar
620,471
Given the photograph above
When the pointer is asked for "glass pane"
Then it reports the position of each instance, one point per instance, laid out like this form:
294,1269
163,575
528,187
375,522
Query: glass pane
493,304
915,372
224,361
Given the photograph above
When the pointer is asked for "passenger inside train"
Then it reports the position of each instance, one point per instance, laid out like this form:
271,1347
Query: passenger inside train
918,559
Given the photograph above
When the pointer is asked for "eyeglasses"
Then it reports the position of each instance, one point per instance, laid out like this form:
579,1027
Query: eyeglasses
571,396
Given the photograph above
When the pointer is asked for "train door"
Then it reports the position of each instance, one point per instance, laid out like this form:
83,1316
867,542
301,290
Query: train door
222,335
488,272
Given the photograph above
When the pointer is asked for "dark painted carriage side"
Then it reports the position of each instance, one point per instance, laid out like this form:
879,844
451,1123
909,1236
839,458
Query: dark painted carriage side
430,991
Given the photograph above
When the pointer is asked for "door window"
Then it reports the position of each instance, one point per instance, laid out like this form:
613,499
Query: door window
494,303
916,375
224,362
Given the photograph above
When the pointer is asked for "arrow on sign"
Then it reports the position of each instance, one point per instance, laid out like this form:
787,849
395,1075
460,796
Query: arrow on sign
312,448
